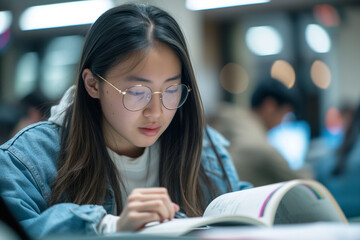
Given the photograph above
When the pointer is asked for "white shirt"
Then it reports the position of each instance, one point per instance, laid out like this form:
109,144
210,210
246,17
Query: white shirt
138,172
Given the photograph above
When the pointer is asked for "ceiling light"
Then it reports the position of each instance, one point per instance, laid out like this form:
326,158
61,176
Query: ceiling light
234,78
282,71
211,4
63,14
5,21
317,38
320,74
264,40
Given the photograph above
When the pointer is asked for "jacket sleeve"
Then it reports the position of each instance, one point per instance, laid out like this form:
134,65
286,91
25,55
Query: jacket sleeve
25,189
60,219
212,166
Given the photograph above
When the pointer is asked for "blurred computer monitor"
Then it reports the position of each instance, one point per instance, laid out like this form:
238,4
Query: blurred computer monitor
292,140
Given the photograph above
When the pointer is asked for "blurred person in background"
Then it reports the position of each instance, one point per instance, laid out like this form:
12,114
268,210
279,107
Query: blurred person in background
339,170
35,107
255,159
347,112
32,108
336,125
9,117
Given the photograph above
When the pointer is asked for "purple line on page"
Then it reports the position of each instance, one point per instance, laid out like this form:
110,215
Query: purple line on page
261,213
316,192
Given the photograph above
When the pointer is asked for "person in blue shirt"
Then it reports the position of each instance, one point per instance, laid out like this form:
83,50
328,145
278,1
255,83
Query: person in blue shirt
339,170
127,145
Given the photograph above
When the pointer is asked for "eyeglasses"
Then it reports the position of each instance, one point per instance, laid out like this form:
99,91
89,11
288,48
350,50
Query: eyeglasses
138,97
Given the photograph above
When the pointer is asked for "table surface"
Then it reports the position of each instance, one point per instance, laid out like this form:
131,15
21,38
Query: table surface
315,231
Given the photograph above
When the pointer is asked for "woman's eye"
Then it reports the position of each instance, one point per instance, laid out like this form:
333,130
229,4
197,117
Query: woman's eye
136,93
172,90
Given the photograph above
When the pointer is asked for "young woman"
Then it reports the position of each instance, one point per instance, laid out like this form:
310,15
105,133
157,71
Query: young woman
125,146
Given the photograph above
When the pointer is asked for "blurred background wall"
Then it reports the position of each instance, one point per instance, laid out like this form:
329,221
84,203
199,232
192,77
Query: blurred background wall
309,45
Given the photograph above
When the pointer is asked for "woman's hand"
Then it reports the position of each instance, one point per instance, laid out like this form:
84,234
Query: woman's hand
145,205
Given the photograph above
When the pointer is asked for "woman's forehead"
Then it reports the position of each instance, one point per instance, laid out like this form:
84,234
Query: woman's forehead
160,61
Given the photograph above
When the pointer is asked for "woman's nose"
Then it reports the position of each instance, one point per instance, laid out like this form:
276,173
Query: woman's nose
154,108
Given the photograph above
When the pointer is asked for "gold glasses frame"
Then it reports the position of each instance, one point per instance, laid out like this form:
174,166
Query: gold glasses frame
123,93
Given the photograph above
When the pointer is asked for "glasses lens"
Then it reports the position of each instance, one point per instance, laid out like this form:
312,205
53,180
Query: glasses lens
137,97
175,96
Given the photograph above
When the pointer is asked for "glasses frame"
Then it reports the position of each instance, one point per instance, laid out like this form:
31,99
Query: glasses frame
123,93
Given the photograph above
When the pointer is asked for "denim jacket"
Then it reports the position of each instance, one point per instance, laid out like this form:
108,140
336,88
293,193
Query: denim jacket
28,164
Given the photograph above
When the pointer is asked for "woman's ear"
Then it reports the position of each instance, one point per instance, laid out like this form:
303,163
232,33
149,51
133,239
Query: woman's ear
91,83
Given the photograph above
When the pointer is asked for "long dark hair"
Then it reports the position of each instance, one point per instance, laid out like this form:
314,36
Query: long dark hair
350,138
85,168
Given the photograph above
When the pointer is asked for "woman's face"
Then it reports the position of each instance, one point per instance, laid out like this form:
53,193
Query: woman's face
127,132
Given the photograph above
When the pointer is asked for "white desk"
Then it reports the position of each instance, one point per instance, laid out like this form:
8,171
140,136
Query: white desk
313,231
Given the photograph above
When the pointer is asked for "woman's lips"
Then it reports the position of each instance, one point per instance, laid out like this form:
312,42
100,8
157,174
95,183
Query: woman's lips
150,131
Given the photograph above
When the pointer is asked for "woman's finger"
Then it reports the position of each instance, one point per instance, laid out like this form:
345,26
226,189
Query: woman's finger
157,206
150,194
134,221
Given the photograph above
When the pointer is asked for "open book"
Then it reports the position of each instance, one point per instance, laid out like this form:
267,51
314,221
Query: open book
296,201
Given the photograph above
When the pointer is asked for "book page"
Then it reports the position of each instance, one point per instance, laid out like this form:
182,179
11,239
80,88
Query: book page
296,201
178,227
175,227
250,203
305,203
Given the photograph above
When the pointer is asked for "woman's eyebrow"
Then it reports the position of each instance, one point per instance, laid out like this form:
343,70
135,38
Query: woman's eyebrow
140,79
174,78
